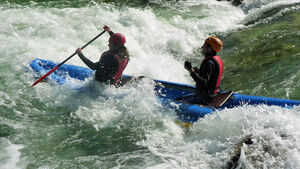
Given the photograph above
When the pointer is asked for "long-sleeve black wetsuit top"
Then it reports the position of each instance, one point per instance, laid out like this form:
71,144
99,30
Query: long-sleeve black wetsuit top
105,68
206,77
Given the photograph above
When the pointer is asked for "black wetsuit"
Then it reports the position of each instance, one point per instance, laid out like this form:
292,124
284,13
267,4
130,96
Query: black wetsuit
206,79
105,68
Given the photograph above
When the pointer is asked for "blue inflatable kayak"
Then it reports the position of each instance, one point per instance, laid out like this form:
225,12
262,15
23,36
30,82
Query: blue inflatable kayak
168,92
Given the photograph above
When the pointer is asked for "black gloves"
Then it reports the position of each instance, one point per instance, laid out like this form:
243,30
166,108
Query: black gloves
187,65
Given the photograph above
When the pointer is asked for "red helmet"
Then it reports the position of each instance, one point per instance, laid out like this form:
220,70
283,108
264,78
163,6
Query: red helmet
117,38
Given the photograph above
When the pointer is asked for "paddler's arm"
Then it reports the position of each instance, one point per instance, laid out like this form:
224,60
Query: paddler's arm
107,28
198,79
86,61
203,80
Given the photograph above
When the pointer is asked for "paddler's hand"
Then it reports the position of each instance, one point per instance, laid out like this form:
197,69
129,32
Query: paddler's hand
187,65
78,51
106,28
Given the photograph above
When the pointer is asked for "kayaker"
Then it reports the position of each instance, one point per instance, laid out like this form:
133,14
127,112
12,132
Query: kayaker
208,76
113,62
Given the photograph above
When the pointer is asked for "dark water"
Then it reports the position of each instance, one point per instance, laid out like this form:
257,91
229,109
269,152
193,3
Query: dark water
265,57
51,126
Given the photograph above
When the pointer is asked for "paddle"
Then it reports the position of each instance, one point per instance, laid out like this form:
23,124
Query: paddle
56,67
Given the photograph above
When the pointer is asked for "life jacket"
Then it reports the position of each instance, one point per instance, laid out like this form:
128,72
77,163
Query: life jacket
219,62
122,65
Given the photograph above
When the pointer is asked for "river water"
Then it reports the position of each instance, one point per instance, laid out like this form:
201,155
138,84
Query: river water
52,126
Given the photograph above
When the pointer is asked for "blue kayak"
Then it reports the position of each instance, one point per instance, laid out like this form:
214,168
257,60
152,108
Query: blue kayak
168,93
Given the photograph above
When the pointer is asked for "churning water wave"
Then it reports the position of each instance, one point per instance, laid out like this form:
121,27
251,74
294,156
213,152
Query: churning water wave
52,126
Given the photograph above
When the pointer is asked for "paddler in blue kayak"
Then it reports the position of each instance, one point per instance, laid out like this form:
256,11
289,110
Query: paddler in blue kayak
208,76
113,62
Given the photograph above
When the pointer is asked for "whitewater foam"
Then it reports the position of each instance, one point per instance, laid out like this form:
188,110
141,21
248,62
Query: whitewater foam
9,154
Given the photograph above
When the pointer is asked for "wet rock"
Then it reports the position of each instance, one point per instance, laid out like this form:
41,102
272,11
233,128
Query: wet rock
234,2
233,162
6,130
237,2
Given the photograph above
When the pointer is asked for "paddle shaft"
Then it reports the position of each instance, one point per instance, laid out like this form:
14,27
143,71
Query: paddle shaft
56,67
